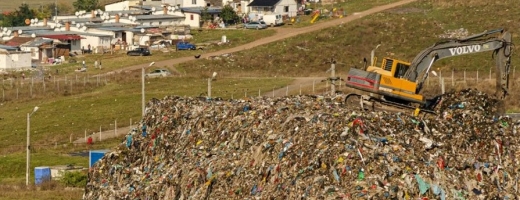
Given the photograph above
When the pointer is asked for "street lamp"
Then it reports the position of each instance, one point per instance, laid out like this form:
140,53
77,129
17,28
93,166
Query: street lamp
142,84
28,145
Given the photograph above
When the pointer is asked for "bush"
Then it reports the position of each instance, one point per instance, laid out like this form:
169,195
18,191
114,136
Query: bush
74,179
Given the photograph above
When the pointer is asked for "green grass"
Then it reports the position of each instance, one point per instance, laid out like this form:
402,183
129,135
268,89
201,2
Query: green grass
12,5
59,117
350,6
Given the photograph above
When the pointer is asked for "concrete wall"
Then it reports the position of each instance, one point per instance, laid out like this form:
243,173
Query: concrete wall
244,7
193,3
35,52
95,41
192,19
280,8
75,46
15,60
124,5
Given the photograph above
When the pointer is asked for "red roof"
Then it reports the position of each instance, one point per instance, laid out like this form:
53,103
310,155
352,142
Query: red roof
17,41
63,37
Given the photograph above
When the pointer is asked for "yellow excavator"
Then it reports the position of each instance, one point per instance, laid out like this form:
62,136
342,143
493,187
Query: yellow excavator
396,84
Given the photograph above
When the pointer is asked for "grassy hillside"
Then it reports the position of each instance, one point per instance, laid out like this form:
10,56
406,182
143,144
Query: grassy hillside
402,32
35,4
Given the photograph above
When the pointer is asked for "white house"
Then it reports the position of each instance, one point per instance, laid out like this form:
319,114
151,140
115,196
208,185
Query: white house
10,59
193,15
283,7
123,5
97,42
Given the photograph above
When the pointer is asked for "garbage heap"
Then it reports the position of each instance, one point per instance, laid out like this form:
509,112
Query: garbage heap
305,147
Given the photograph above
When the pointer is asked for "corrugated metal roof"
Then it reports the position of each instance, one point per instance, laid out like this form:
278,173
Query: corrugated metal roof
109,25
43,34
28,28
37,42
145,17
63,37
82,20
130,12
198,10
8,48
113,28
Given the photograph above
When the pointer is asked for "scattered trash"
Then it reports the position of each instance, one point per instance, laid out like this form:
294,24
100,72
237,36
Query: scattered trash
308,147
455,34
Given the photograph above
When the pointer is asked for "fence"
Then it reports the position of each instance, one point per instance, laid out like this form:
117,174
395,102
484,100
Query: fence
35,87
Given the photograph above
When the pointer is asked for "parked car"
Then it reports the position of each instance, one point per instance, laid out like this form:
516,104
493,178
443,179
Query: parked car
185,46
255,25
140,51
158,73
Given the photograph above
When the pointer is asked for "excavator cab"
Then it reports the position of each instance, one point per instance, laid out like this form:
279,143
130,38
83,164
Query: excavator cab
386,80
391,67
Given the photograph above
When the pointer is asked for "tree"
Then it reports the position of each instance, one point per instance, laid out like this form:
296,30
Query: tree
86,5
229,15
17,18
205,16
64,8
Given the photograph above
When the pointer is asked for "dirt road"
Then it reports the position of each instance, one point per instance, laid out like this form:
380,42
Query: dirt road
281,33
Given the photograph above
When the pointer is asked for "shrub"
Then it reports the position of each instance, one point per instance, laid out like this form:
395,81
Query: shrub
74,179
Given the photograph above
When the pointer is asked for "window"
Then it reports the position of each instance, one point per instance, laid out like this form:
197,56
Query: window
286,8
194,2
73,42
191,17
400,70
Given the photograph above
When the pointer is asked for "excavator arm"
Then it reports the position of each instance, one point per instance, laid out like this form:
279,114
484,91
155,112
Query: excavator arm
501,47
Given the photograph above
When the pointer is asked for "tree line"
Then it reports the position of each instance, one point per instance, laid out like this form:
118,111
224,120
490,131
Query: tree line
62,7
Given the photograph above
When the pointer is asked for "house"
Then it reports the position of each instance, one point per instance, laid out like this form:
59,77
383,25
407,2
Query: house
193,16
235,4
41,49
283,7
64,42
11,58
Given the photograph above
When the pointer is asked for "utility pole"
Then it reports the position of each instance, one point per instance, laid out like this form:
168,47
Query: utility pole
332,77
56,11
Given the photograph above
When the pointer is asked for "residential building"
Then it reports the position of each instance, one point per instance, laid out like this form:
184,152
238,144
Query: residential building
283,7
41,49
11,58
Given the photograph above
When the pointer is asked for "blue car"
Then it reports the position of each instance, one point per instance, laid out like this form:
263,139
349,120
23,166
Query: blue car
185,46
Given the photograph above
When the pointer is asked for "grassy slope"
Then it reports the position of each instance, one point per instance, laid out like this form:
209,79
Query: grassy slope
402,35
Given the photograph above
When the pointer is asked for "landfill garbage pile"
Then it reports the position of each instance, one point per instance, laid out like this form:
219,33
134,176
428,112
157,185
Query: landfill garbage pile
303,147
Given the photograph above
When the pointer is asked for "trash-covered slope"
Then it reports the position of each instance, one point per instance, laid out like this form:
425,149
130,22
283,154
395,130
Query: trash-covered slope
305,147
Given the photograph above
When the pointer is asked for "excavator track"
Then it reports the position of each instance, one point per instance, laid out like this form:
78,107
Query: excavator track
368,103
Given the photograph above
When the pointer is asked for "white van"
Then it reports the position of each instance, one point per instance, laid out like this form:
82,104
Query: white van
273,19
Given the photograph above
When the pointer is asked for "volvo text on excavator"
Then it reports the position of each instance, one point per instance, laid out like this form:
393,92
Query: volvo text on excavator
396,85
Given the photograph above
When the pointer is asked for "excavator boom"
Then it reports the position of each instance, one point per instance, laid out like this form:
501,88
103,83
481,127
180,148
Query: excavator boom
397,84
501,47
